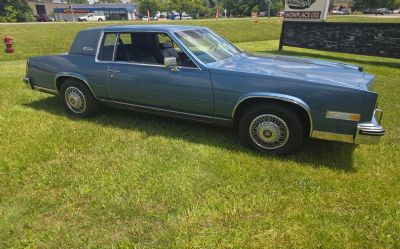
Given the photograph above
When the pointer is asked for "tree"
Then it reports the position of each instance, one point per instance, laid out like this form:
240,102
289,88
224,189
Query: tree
149,5
80,1
188,6
15,11
366,4
108,1
244,7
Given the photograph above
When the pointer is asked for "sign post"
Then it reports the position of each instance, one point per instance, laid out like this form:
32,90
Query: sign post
304,10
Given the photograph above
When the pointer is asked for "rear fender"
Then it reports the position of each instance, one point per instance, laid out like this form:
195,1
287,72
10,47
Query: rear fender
58,80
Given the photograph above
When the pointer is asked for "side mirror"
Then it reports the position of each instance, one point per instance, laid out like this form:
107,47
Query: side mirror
170,62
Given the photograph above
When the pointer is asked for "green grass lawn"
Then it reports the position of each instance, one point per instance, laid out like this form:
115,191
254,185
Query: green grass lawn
130,180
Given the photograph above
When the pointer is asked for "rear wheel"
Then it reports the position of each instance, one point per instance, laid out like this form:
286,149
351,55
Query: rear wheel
77,98
272,129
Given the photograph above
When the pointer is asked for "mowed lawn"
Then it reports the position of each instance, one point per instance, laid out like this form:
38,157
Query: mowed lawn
130,180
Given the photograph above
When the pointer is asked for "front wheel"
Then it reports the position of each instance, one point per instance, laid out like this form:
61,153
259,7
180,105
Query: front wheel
100,20
78,100
272,129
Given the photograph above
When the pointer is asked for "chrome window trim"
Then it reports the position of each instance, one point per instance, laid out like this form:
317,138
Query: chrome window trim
241,50
137,63
99,46
193,55
285,98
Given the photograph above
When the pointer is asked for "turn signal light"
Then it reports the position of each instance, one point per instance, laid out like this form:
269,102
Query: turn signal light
343,116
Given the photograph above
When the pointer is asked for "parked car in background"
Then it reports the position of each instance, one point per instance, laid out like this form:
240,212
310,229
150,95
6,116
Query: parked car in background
382,11
396,11
275,102
336,12
368,11
186,17
162,17
44,18
92,18
346,11
146,18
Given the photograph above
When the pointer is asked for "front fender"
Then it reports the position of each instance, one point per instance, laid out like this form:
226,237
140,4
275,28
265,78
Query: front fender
275,96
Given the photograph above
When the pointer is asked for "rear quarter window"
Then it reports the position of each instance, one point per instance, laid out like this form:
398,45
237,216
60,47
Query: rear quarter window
107,47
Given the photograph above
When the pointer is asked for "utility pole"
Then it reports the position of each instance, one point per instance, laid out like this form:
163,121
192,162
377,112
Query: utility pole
72,10
269,7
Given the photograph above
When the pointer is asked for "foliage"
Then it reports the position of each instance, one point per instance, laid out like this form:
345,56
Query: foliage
15,11
187,6
208,7
244,7
365,4
81,1
149,5
108,1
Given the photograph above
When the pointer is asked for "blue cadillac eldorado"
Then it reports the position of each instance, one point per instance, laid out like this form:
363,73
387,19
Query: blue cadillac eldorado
191,72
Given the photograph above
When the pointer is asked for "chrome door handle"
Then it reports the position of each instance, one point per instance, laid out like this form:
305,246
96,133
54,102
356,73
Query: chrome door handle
112,71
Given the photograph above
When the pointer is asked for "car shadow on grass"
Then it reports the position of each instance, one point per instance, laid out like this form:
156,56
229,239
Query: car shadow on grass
314,153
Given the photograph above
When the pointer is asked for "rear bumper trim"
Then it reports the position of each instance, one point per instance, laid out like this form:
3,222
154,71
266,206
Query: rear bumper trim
27,82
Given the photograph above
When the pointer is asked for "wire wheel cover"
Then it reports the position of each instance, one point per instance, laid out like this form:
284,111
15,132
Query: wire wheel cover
75,100
269,131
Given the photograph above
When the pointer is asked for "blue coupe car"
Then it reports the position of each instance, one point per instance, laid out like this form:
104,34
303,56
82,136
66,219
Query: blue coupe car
191,72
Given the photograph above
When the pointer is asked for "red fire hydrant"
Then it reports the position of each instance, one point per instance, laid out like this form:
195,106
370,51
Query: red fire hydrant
8,40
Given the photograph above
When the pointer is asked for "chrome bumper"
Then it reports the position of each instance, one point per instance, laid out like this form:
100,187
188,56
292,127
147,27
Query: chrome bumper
27,82
367,133
370,132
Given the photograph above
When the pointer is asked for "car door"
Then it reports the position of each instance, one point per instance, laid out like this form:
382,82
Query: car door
150,84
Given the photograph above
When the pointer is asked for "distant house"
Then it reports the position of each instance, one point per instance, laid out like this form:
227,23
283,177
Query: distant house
43,7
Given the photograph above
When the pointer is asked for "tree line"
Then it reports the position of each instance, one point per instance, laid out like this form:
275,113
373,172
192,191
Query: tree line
20,11
206,8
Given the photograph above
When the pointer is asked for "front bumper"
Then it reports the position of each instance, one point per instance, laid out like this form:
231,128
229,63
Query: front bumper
366,133
370,132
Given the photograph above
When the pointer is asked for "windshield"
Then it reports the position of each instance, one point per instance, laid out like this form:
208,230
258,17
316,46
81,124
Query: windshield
207,46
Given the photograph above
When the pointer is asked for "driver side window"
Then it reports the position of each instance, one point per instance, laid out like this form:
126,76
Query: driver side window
149,48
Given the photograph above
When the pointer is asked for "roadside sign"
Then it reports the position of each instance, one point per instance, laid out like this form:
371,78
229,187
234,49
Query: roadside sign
306,10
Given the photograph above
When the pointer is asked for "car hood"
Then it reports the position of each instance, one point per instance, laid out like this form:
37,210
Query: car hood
322,72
